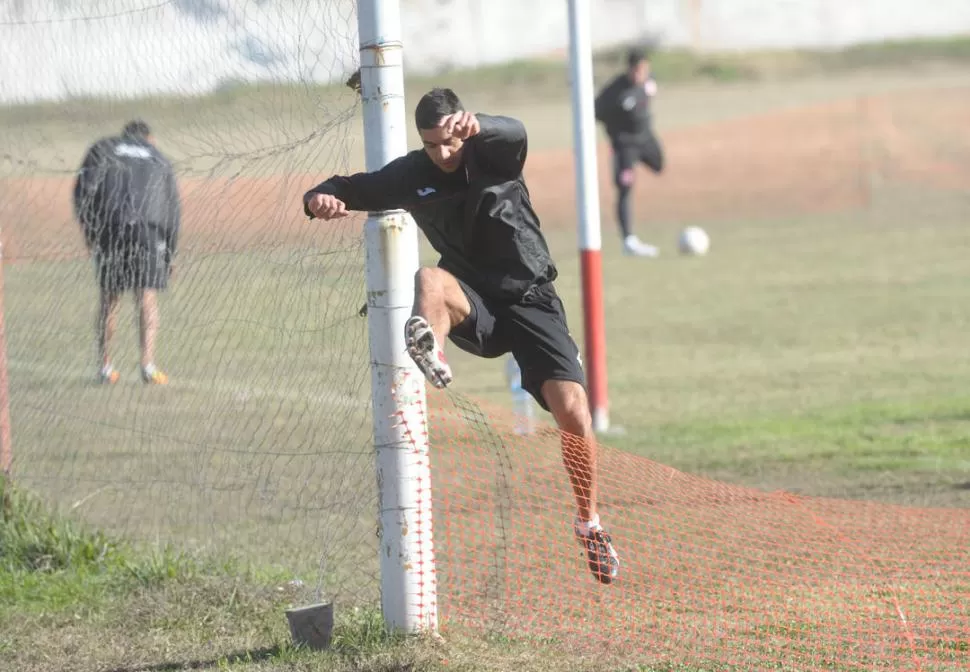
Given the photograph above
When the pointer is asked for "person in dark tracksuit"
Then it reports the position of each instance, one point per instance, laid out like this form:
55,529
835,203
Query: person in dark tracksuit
623,106
492,291
127,202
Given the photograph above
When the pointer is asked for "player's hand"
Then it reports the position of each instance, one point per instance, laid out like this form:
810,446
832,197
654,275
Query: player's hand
463,125
326,206
626,177
650,86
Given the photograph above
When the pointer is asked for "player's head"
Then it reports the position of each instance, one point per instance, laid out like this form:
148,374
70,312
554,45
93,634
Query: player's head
137,130
638,65
442,147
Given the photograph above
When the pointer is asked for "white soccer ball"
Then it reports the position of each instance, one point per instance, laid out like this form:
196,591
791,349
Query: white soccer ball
694,241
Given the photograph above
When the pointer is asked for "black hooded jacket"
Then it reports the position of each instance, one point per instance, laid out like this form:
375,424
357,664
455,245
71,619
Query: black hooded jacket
480,218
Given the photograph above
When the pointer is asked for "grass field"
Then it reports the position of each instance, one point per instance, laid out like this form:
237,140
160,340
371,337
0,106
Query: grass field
820,350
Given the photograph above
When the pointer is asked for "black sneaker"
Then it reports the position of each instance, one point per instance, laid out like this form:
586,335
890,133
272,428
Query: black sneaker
600,554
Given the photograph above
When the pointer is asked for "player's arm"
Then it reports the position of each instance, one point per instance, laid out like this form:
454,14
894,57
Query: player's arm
384,189
607,102
503,142
175,214
599,104
85,193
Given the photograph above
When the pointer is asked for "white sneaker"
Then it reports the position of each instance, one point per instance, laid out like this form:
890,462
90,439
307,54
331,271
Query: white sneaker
108,375
603,561
424,350
635,247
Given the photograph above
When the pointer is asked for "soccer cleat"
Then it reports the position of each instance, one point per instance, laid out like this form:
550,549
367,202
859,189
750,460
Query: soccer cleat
153,376
108,376
603,561
423,348
633,246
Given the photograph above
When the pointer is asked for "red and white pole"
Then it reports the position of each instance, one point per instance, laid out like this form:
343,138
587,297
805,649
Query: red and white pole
588,205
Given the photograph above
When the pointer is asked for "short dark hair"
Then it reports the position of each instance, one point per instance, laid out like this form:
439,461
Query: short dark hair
635,56
136,129
434,105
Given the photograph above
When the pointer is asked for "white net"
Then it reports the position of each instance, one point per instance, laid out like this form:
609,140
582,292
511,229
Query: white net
260,445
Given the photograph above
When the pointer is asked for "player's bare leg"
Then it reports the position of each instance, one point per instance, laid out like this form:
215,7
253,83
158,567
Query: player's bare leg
569,406
567,403
439,305
107,320
440,300
147,304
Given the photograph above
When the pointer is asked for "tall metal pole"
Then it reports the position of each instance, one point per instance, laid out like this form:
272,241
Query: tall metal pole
588,206
408,597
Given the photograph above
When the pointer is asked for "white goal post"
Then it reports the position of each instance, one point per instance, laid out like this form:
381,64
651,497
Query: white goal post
408,599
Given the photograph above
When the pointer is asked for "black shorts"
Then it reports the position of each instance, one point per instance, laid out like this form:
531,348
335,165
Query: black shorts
533,330
647,150
132,263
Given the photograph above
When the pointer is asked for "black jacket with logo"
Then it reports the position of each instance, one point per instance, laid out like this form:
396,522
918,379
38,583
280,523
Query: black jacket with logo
126,188
480,218
624,108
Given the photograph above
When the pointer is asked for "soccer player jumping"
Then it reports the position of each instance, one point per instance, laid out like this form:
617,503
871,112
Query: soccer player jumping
492,291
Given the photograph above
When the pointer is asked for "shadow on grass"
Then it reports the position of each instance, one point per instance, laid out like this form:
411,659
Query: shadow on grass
252,656
239,657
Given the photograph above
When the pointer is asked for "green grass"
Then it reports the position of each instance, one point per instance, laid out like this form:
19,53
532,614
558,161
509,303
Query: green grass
822,354
115,606
828,372
110,600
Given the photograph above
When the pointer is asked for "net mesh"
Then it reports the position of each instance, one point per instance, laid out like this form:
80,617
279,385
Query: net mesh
261,447
711,574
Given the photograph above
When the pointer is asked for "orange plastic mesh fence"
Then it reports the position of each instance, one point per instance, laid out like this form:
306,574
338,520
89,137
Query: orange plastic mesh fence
265,431
710,572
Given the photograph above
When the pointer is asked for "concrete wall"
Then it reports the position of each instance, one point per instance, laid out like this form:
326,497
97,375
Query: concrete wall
749,24
59,48
461,32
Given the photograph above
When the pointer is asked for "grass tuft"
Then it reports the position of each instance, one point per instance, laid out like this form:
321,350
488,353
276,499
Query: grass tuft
35,540
360,632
